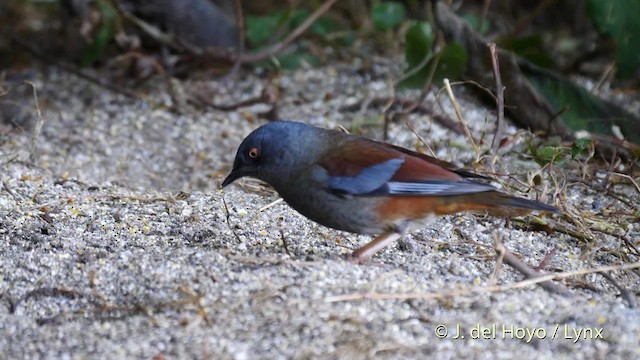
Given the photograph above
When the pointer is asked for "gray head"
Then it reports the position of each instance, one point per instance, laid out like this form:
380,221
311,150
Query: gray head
273,151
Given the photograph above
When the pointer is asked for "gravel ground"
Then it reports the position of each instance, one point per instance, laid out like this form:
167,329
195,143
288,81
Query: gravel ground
116,242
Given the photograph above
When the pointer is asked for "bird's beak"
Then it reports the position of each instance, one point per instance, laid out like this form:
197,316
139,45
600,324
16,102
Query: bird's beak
233,176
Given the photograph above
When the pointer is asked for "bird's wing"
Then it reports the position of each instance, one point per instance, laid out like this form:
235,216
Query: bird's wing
435,161
363,167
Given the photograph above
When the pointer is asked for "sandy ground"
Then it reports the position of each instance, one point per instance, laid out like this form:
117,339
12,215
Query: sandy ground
116,242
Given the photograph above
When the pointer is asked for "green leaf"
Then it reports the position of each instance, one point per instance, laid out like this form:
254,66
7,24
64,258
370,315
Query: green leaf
579,146
346,38
387,15
549,154
293,60
417,43
321,27
261,29
417,49
105,33
530,47
619,18
324,26
452,63
474,22
297,17
580,110
452,58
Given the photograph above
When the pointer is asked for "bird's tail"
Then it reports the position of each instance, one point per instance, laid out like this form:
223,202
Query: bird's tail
498,204
503,199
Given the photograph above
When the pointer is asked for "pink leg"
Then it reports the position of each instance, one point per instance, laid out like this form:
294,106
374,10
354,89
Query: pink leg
365,253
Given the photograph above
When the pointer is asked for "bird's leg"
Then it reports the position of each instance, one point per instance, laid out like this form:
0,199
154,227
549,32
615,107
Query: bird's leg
365,253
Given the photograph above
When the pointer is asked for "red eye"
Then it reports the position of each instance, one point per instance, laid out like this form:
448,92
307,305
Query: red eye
253,153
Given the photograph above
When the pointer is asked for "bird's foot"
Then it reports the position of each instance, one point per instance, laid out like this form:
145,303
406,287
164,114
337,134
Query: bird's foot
363,254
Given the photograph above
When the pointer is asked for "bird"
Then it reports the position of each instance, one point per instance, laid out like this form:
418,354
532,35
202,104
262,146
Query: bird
359,185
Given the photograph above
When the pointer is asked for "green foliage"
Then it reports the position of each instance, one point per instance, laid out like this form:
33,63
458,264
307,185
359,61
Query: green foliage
581,146
451,59
550,154
530,47
266,29
580,110
263,29
387,15
295,59
103,36
321,27
418,42
474,22
260,29
619,19
558,154
451,62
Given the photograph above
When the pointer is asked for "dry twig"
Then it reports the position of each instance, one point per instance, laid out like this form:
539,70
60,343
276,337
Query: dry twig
228,216
626,294
497,137
39,123
529,273
483,289
500,253
456,109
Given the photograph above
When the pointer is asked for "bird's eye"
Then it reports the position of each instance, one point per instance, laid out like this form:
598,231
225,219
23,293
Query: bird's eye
253,153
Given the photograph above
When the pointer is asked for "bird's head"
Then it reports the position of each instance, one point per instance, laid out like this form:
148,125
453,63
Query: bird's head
271,152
